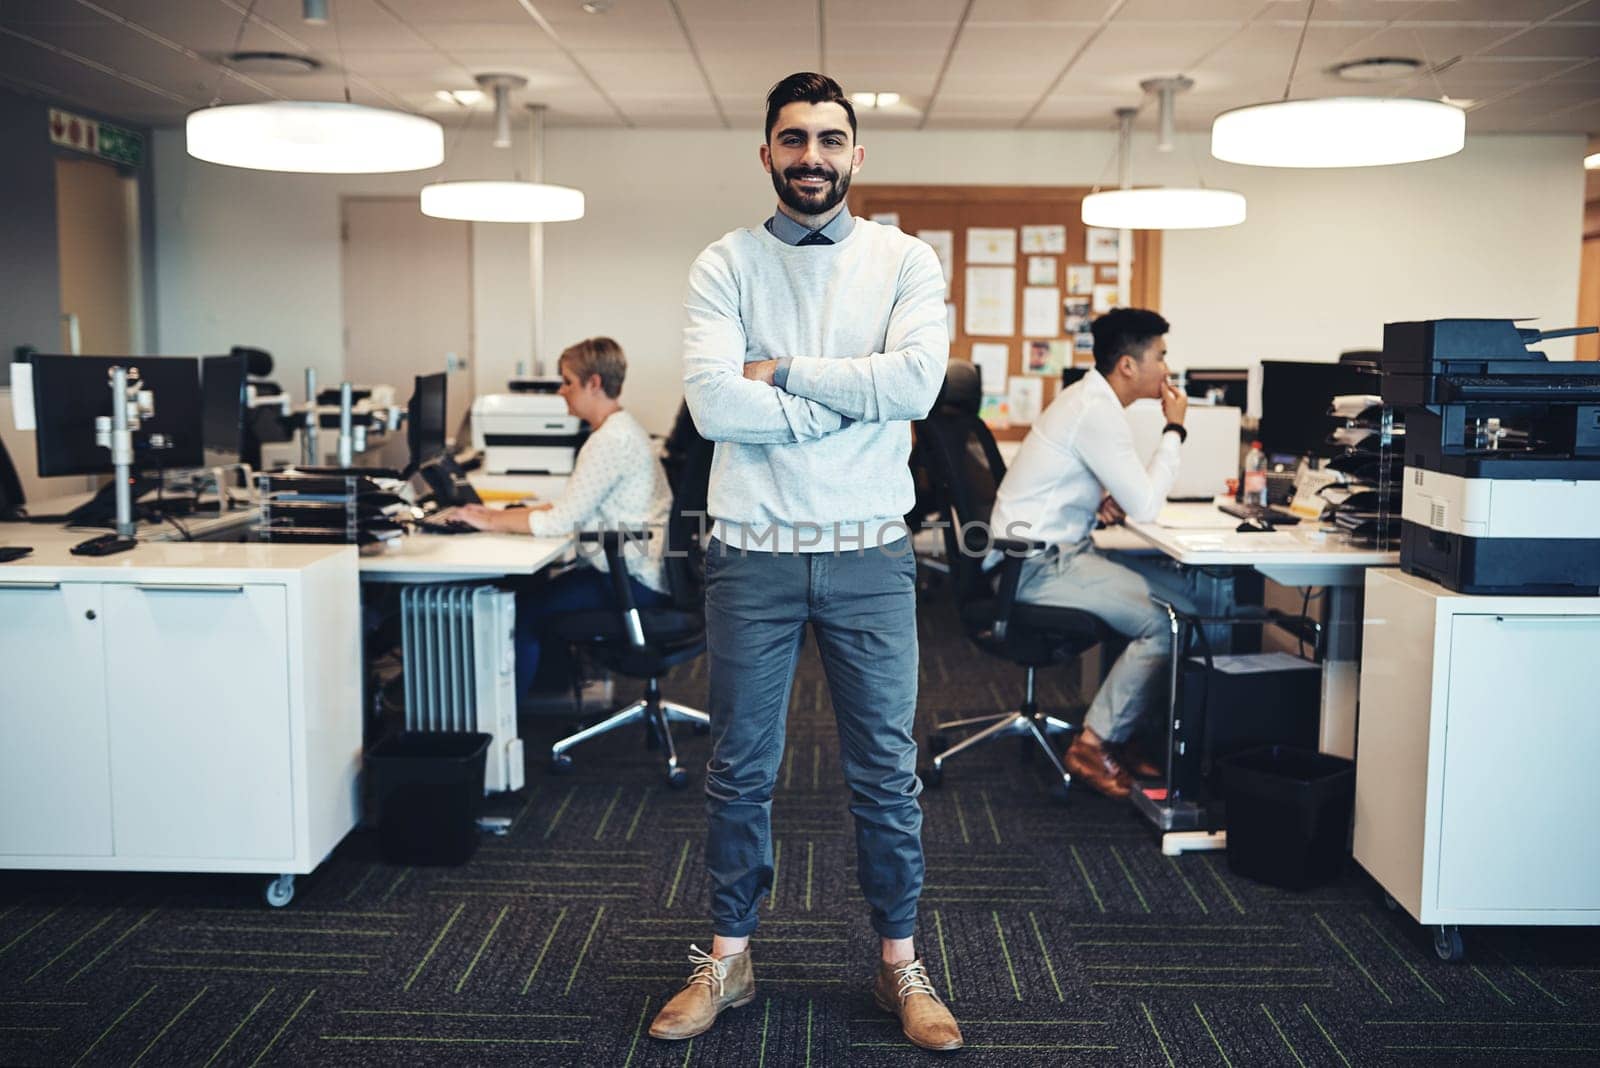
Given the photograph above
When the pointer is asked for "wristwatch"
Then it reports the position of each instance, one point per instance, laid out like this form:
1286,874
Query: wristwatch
1183,435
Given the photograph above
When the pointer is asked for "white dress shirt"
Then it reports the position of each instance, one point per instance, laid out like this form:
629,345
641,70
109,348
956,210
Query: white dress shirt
616,483
1080,449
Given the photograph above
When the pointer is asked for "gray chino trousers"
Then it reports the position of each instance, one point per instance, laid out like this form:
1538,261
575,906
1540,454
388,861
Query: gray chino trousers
862,611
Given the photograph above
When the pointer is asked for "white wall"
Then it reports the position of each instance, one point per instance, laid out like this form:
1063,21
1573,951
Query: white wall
1324,260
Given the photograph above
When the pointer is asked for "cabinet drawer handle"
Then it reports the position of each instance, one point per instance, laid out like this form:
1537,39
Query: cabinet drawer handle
35,586
174,587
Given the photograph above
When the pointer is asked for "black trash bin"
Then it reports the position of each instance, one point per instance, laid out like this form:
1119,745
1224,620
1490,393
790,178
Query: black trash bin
1288,814
427,790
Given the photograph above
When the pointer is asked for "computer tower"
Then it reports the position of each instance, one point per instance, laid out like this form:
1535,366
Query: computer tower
1243,701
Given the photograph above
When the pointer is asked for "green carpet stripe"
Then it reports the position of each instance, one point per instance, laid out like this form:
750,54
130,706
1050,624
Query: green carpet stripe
140,922
985,1045
1207,1024
944,957
573,977
1290,1045
765,940
805,980
1128,874
1006,952
266,953
683,858
1154,1030
562,811
638,1028
1401,957
1214,986
469,1015
604,865
516,821
1329,1038
247,969
113,1026
74,945
1187,885
426,957
544,949
1208,966
1147,926
1490,982
298,1009
688,1051
600,831
1095,893
1362,968
1205,863
961,817
1504,1049
511,891
1537,987
389,893
994,828
239,1027
1208,945
633,824
1048,963
777,858
162,1033
258,929
766,1020
811,856
455,1041
788,770
37,924
498,920
810,1006
816,765
356,889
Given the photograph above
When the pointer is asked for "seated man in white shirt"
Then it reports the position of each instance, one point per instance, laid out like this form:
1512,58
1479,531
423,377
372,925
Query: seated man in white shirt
616,483
1078,465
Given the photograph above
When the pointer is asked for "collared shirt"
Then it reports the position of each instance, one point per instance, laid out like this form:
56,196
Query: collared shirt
790,232
1079,450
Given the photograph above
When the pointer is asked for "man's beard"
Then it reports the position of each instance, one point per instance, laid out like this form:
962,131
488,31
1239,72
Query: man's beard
801,202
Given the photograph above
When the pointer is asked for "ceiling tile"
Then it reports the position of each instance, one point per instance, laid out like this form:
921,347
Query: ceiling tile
1573,41
466,37
902,12
754,73
1037,11
889,40
645,73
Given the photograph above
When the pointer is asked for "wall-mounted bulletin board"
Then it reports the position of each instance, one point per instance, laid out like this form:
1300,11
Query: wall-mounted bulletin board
1025,278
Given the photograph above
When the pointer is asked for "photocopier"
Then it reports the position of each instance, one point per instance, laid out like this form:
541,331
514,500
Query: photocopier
1501,488
526,431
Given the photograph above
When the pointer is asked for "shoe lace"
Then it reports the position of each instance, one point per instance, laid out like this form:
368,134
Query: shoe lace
708,972
914,980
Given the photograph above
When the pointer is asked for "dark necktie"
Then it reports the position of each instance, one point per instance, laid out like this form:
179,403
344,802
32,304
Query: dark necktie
816,238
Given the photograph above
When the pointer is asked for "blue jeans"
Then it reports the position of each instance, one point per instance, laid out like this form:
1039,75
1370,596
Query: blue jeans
581,590
862,611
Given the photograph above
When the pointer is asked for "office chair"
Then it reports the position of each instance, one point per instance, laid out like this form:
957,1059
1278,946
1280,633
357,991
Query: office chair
643,643
968,468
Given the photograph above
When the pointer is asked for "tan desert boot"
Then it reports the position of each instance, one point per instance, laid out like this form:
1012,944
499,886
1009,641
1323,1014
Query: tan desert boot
903,989
714,985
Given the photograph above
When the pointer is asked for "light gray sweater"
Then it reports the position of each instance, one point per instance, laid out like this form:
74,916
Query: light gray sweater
822,463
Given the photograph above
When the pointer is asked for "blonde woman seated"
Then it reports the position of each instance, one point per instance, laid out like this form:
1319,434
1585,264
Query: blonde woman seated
616,482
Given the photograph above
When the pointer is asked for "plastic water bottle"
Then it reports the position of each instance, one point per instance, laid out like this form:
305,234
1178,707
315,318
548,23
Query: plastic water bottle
1255,475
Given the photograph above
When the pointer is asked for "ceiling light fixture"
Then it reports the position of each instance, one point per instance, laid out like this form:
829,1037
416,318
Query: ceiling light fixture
1376,69
311,136
1591,162
596,7
314,12
1171,208
280,63
1341,131
874,100
461,97
491,200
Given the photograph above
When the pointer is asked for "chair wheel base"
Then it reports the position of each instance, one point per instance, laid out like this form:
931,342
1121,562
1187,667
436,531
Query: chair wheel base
677,778
932,776
560,764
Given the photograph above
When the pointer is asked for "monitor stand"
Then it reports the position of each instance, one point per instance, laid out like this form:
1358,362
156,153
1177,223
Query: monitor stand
101,509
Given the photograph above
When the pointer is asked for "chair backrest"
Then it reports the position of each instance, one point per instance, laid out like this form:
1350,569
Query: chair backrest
967,467
685,558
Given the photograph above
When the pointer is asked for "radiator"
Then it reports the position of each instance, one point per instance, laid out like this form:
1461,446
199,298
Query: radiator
461,670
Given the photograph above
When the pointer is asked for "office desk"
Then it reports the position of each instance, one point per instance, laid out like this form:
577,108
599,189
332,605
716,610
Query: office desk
1198,535
460,557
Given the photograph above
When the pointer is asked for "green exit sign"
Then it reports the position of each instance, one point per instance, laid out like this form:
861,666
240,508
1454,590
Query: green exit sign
96,138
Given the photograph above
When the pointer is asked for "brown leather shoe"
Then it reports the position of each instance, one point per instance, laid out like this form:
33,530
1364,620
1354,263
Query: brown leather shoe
1091,762
714,985
903,989
1136,763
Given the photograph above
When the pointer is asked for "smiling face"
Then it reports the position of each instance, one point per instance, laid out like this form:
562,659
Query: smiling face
811,156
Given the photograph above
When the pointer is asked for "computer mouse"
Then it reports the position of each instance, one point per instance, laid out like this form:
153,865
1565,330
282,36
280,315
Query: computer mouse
1253,526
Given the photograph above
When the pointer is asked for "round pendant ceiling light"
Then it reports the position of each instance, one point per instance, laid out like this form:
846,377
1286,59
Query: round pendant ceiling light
314,137
1163,209
1341,131
487,201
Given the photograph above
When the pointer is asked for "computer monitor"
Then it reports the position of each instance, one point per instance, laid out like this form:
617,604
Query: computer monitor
70,391
425,419
222,404
1295,399
1230,385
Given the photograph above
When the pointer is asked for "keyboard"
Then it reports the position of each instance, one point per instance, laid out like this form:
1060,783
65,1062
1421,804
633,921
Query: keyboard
1529,387
446,526
1278,517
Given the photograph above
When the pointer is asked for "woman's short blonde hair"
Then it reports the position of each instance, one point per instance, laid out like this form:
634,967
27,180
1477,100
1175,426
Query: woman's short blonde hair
597,356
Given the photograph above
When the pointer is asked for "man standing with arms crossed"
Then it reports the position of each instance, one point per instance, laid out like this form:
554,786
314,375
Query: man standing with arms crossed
810,343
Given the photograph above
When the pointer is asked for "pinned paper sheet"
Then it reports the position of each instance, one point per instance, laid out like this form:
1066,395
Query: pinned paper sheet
1039,315
943,243
1101,245
993,362
1044,239
991,245
1041,270
991,301
1025,397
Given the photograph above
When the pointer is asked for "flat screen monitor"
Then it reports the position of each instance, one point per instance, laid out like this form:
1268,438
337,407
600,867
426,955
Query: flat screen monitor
70,391
1229,384
425,419
222,410
1295,399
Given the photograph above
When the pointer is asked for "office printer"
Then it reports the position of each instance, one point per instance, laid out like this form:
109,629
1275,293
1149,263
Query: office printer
527,431
1501,484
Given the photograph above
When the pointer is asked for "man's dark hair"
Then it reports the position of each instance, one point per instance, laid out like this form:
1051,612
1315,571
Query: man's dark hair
807,87
1124,331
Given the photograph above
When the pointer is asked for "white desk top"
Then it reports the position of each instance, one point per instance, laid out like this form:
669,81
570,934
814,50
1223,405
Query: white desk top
447,557
51,561
1197,534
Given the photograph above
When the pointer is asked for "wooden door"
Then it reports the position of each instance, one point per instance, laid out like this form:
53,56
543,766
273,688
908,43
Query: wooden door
97,231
